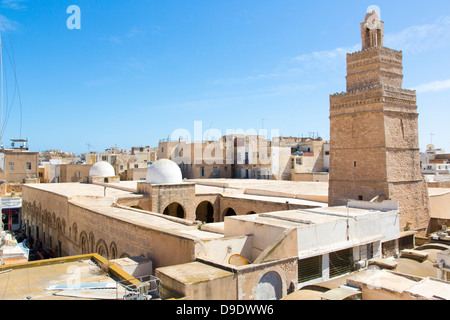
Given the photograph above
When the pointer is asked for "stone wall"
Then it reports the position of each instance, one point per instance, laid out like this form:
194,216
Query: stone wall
100,180
249,282
364,67
440,184
162,195
244,206
374,137
311,177
82,230
414,204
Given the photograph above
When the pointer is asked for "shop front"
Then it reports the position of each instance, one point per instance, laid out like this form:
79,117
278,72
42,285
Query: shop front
11,211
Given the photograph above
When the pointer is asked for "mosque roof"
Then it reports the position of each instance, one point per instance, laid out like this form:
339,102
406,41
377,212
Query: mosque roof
102,169
164,171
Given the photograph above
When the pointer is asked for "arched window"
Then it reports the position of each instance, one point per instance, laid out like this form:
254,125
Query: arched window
84,243
175,210
269,287
205,212
229,212
112,251
101,249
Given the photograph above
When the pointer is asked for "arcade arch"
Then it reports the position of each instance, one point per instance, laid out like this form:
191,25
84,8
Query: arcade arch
229,212
205,212
175,210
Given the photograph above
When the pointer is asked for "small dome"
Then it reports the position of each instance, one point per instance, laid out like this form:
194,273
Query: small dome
102,169
164,171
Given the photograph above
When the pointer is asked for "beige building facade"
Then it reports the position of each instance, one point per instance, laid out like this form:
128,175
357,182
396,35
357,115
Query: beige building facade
144,154
72,173
240,156
19,166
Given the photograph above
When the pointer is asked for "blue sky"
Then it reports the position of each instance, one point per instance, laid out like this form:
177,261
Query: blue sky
139,70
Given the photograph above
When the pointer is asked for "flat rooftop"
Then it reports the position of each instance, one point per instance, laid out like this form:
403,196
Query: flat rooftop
33,282
318,215
70,190
438,191
428,288
194,272
281,189
287,189
274,190
100,199
158,221
258,190
92,197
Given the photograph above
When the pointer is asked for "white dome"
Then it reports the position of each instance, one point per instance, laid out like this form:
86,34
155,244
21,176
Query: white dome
102,169
164,171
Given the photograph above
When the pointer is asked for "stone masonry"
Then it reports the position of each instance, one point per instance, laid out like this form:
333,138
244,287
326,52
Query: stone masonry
374,148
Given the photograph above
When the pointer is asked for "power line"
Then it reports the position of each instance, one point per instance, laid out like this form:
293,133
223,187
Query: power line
12,61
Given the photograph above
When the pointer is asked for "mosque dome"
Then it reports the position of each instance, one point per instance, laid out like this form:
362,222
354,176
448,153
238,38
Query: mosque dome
164,171
102,169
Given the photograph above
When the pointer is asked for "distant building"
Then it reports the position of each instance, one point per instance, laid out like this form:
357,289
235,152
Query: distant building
18,164
136,167
47,169
144,154
118,158
72,173
435,165
197,160
56,154
135,171
310,160
246,156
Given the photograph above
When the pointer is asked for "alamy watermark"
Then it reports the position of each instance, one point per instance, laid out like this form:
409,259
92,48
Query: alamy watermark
74,21
235,146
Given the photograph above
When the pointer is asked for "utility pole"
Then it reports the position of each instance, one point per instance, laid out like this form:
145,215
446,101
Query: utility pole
1,75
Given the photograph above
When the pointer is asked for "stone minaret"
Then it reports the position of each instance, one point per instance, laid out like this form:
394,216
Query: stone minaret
374,151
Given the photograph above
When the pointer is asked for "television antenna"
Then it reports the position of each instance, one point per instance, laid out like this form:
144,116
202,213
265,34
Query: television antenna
89,146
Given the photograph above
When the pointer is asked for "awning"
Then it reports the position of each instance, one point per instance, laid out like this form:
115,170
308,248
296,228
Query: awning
11,203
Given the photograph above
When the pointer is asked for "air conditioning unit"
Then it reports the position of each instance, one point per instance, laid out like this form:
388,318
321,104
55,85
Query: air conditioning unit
358,265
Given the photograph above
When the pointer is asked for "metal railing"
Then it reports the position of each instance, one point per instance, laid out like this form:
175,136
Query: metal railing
140,288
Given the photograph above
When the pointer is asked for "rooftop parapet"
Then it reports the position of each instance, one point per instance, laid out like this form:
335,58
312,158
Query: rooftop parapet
384,206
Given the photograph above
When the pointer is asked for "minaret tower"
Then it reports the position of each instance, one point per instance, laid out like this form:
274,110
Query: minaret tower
374,151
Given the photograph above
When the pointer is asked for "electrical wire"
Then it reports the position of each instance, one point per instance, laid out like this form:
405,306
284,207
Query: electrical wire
12,61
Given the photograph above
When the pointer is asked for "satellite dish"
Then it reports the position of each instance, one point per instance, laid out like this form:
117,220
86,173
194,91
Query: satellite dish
430,147
237,260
